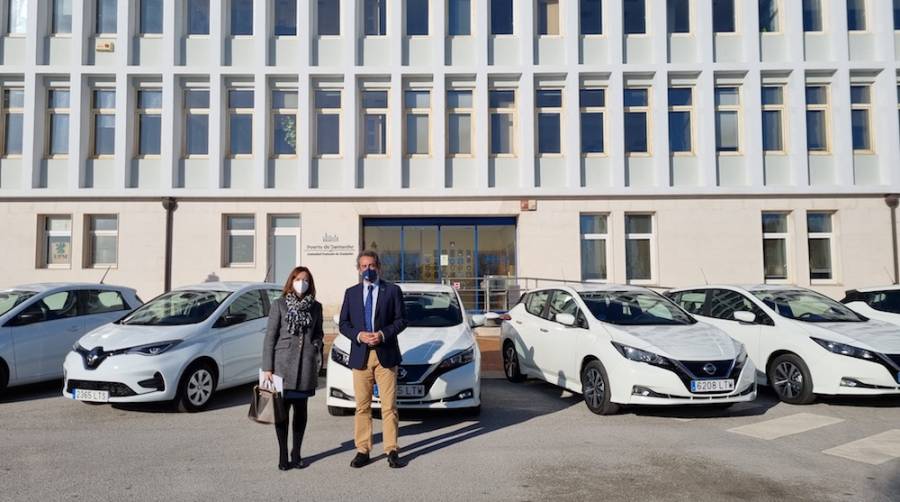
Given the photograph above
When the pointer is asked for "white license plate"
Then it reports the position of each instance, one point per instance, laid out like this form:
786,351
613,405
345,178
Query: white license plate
410,390
712,385
97,396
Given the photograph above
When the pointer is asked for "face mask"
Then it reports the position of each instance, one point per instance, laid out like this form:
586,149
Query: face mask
370,275
301,286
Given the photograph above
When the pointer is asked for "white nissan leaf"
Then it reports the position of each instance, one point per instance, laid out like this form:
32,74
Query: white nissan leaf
441,365
623,345
882,303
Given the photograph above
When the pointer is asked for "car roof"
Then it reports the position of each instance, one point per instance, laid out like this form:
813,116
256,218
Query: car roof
41,287
585,287
229,286
894,287
746,287
421,287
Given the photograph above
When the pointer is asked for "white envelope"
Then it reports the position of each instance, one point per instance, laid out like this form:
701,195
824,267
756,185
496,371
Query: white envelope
277,380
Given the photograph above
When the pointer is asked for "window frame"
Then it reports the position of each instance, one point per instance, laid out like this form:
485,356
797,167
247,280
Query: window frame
867,108
51,111
820,17
45,234
512,20
447,22
545,4
782,118
97,112
5,112
690,15
646,31
864,4
188,111
288,112
318,20
97,31
140,23
365,112
778,18
602,110
8,29
513,112
549,110
320,111
735,20
581,31
689,109
139,113
296,24
416,112
91,236
187,17
832,247
381,9
406,24
788,248
229,233
468,111
54,28
651,238
738,111
229,151
604,237
825,109
648,119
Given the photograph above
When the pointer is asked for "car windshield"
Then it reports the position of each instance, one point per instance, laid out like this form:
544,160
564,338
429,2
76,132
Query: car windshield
177,308
634,308
432,309
806,306
10,299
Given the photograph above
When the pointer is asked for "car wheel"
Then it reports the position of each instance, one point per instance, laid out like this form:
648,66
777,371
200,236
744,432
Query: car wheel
511,367
337,411
196,388
595,389
789,377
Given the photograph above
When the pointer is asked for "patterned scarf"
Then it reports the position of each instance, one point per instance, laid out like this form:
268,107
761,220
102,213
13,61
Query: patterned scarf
298,316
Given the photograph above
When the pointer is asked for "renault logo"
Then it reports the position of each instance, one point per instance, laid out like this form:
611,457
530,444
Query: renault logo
94,357
710,368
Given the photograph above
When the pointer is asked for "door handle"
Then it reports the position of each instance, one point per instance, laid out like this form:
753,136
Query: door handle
544,330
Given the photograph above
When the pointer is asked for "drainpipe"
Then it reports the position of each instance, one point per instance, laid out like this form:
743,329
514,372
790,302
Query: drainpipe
170,205
892,201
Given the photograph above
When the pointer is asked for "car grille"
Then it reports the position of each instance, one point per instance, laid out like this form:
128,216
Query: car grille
115,389
722,370
414,372
895,358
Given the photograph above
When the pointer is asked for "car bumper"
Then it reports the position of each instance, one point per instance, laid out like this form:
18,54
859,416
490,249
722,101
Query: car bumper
642,384
127,370
843,375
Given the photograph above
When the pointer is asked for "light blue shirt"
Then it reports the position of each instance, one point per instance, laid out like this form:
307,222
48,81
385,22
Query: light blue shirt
365,293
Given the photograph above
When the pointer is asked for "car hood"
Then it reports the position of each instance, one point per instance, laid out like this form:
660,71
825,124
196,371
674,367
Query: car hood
690,342
871,335
123,336
426,345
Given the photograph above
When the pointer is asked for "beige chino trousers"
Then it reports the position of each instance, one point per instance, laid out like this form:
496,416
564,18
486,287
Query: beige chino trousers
363,383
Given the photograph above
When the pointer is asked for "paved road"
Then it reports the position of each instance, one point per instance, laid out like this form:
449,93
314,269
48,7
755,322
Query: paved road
532,442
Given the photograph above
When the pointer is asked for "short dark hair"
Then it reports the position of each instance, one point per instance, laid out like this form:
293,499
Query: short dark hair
370,254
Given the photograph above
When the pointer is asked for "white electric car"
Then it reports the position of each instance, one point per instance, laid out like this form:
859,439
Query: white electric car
622,345
441,365
882,303
182,346
39,323
804,342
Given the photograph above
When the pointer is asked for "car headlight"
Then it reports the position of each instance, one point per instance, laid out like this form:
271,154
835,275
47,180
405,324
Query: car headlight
459,359
153,349
742,353
340,357
846,350
642,356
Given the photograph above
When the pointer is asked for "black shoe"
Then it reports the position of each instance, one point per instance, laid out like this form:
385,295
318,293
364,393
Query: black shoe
394,460
360,460
297,464
283,466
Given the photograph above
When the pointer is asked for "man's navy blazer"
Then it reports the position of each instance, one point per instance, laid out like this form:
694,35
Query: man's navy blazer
390,319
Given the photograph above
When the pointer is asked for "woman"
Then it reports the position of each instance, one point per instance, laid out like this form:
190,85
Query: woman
293,341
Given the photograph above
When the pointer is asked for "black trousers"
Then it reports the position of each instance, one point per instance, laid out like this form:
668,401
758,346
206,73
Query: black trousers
298,429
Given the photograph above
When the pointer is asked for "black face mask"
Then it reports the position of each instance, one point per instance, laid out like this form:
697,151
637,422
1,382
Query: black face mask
370,275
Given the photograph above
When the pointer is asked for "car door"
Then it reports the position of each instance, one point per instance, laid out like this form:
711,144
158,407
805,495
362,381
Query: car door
559,355
720,309
528,325
99,307
43,333
241,329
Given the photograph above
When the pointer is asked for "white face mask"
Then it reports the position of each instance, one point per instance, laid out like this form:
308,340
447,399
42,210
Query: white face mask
300,286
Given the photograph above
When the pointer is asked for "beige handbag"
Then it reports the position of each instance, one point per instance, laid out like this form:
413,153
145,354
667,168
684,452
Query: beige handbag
266,406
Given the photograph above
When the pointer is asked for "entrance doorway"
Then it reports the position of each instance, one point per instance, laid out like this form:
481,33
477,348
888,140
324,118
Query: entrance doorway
284,246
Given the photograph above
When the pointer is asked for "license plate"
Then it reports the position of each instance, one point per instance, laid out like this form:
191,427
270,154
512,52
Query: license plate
410,390
712,385
97,396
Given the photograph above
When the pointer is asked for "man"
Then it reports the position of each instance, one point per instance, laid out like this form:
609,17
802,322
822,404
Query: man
372,316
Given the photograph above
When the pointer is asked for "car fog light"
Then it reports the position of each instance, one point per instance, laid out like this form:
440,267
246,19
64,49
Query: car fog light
637,390
466,394
339,394
848,382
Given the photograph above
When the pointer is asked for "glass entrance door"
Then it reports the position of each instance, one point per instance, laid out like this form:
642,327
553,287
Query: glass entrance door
284,247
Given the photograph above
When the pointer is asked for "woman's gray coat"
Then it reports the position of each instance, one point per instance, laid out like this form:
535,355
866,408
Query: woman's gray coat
285,356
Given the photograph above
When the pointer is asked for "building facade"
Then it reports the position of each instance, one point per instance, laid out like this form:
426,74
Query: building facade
657,142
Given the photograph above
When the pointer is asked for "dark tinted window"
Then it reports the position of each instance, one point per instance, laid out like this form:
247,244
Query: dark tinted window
885,301
536,301
724,303
501,17
100,302
249,305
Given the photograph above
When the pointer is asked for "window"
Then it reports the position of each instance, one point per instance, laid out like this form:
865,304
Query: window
96,301
769,21
285,18
856,15
247,307
593,110
459,122
723,16
562,303
691,301
374,109
151,17
681,102
634,16
56,250
418,119
459,17
50,308
549,110
240,122
61,22
416,17
591,13
775,242
104,111
58,112
637,108
548,17
149,121
375,17
106,17
13,109
17,21
773,114
328,17
502,105
284,115
861,106
104,238
896,15
240,235
198,17
501,17
678,16
242,17
594,238
724,303
196,109
817,118
536,302
728,117
639,245
328,122
821,240
812,15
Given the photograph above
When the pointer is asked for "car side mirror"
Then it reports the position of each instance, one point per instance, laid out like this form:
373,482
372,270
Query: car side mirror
230,320
744,317
566,319
477,320
26,318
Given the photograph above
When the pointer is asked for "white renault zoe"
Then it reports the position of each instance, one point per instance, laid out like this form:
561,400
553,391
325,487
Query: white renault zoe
621,345
441,362
804,342
181,346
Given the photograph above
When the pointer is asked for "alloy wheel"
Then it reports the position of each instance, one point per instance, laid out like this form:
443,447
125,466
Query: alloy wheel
788,380
510,364
594,389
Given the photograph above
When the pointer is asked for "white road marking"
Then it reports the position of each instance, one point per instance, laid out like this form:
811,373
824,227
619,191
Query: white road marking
874,450
785,426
